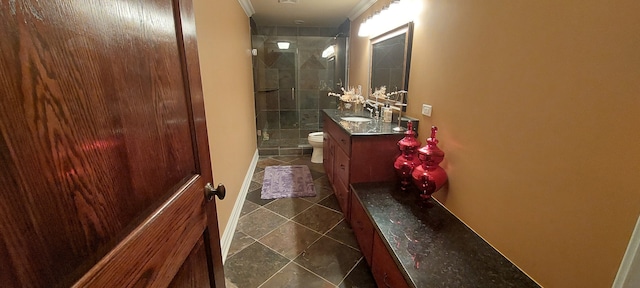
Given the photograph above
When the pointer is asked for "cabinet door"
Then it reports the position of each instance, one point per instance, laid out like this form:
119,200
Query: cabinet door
384,269
362,228
341,138
341,166
374,157
328,155
342,193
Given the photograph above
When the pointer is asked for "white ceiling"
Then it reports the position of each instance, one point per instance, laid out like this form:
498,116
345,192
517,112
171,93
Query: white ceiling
314,13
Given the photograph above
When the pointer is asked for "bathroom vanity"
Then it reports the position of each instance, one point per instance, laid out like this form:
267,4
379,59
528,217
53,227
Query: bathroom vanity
357,151
411,242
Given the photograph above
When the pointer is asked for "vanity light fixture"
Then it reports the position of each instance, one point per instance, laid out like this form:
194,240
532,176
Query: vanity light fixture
283,45
329,52
364,27
399,12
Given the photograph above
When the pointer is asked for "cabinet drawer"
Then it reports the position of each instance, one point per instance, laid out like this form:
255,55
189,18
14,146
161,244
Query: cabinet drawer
383,268
362,228
341,137
342,193
341,166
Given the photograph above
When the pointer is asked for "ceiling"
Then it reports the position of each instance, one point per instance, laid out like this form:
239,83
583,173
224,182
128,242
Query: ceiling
313,13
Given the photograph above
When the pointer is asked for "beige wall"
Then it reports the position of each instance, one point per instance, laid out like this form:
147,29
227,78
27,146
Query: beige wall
224,44
538,104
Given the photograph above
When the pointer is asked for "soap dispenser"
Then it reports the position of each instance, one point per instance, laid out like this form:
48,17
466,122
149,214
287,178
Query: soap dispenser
387,114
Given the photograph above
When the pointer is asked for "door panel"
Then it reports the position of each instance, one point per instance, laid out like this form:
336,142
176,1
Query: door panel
192,273
158,247
104,150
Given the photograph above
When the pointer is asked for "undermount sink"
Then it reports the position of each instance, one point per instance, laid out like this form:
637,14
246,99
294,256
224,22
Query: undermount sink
356,119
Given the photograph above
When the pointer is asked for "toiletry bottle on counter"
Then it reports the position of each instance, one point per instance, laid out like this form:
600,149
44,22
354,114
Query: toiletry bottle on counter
387,114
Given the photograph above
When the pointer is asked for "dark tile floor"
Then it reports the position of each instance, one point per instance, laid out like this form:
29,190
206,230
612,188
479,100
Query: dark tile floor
294,242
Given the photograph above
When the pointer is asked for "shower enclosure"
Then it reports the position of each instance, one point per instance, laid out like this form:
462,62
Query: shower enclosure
294,68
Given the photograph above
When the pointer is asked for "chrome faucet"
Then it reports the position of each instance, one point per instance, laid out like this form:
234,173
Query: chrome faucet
370,112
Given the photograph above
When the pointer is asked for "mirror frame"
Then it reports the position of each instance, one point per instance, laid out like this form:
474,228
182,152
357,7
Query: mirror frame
408,30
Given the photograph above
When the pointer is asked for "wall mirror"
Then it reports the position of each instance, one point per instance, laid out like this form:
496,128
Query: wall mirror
390,59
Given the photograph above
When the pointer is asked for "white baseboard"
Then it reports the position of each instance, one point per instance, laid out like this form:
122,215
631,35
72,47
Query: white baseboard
629,271
229,230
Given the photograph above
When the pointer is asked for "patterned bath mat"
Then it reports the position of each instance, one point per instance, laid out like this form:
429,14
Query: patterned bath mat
287,181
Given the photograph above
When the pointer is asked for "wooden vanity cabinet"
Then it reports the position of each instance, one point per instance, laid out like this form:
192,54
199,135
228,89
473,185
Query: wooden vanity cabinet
355,159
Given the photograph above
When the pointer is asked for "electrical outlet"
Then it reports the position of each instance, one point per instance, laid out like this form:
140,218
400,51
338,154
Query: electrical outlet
426,110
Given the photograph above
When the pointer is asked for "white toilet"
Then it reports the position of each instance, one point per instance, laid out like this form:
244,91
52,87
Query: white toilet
316,139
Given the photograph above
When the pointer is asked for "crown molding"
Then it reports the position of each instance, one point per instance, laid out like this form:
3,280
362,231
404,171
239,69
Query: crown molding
247,7
362,6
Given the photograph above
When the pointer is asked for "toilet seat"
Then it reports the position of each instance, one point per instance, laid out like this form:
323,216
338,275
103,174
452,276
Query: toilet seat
316,136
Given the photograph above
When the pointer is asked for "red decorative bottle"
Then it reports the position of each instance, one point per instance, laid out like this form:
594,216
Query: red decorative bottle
408,159
429,176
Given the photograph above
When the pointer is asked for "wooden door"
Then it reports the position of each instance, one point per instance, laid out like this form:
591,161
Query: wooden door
103,147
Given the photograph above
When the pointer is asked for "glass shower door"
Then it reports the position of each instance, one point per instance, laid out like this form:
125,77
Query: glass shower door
291,90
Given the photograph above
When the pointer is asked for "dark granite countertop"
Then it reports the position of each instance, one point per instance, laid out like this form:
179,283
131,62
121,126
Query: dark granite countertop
431,246
373,127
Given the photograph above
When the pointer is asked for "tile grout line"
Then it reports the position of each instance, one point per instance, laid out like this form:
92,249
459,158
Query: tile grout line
345,244
302,198
269,232
245,247
276,273
305,268
334,239
294,214
352,268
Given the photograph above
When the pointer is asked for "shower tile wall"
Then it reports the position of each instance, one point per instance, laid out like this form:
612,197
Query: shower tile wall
284,121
